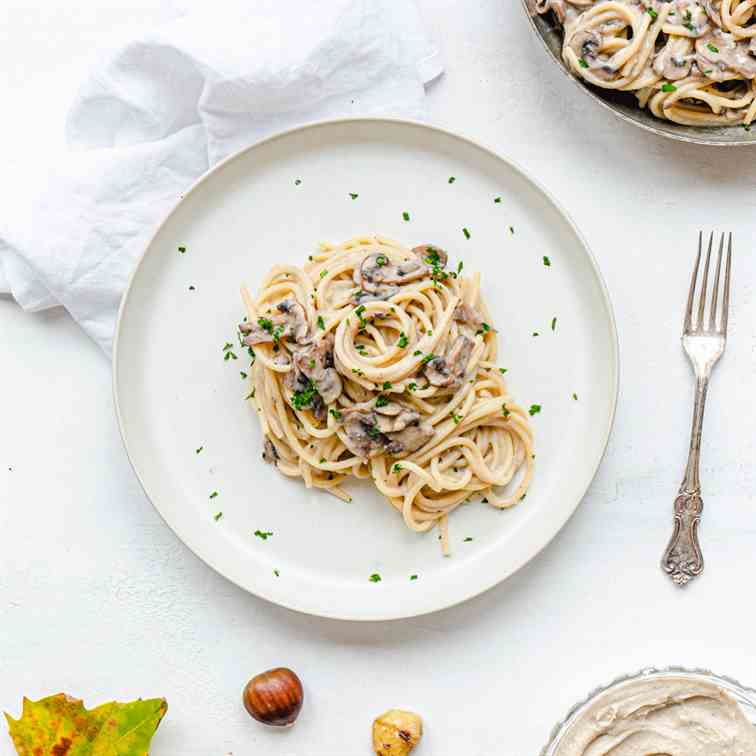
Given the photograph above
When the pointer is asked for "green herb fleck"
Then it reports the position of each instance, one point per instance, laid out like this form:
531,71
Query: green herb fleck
304,398
182,250
357,371
466,232
251,395
321,323
457,418
192,288
406,217
467,539
397,468
713,48
497,200
386,385
535,333
323,273
460,266
428,357
322,461
213,494
297,182
264,534
197,451
353,195
651,12
411,386
413,577
574,396
534,409
416,353
335,413
502,370
217,516
403,340
668,87
505,411
381,401
375,578
553,324
546,261
452,179
276,573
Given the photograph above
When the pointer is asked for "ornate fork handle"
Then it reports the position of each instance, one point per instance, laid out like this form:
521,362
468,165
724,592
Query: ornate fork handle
683,559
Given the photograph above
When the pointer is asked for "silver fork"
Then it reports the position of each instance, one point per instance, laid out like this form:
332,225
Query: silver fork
704,344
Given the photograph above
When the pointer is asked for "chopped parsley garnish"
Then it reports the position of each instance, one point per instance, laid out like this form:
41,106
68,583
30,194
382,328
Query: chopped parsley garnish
713,48
229,356
583,62
276,573
243,375
302,399
197,451
411,386
535,333
428,357
405,215
468,539
228,345
397,468
323,273
322,460
746,126
466,232
502,370
357,371
312,364
251,395
546,261
386,385
403,340
266,324
381,260
416,353
182,250
192,288
213,494
497,200
297,182
460,266
452,179
505,411
321,323
413,577
353,195
484,328
511,230
651,12
688,22
381,401
336,414
217,516
553,324
668,87
374,433
375,578
534,409
574,396
264,534
457,418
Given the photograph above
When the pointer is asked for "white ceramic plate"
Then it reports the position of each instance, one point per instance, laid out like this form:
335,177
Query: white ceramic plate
175,392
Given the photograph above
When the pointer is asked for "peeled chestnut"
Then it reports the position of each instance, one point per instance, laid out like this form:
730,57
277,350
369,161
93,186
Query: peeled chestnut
274,697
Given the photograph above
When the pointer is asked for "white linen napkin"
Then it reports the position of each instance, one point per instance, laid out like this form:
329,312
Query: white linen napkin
169,105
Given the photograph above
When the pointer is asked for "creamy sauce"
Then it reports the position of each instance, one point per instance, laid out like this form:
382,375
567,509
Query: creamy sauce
661,716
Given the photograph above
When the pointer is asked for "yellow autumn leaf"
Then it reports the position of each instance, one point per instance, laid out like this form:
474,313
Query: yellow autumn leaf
60,726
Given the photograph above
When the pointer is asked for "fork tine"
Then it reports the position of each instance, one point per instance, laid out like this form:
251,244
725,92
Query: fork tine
704,285
689,309
726,297
715,289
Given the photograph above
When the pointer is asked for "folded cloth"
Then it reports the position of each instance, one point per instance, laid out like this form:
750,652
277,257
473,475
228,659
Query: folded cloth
171,104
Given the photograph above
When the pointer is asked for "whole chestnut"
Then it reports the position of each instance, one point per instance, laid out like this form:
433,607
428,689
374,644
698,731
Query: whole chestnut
274,697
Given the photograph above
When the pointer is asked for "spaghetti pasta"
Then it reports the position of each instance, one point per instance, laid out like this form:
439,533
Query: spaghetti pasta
376,361
692,62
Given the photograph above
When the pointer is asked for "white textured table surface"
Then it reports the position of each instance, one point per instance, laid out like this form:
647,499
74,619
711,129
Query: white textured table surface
98,598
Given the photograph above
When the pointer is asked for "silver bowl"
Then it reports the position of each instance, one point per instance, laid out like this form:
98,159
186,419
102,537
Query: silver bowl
624,104
745,697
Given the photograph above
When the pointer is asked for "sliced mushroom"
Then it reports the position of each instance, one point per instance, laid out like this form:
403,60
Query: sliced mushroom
463,313
291,324
362,436
270,453
558,6
713,11
369,433
430,254
719,56
316,364
379,278
394,417
410,439
675,59
450,369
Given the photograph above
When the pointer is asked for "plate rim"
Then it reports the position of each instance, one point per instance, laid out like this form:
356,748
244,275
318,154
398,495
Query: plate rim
259,590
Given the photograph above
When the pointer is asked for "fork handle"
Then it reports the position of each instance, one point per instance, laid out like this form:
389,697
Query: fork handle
683,559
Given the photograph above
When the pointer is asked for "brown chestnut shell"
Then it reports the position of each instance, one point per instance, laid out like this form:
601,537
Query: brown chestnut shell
274,697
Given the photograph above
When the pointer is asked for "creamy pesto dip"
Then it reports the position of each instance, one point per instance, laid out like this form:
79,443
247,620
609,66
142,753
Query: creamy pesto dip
661,716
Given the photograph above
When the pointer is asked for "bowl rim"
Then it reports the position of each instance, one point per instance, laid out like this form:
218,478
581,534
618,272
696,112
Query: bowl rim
668,132
725,681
